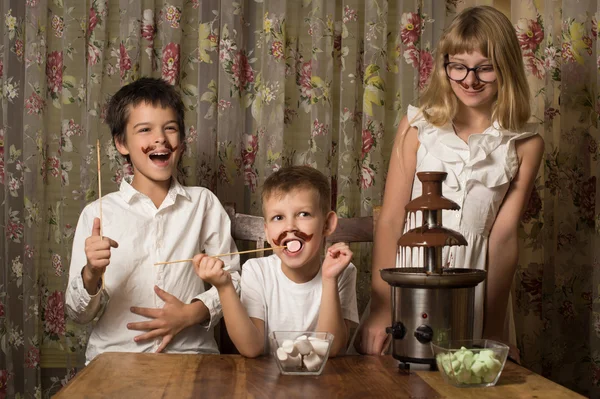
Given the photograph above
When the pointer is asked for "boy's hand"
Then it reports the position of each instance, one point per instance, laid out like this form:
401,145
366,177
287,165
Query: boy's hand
211,270
169,320
336,260
97,252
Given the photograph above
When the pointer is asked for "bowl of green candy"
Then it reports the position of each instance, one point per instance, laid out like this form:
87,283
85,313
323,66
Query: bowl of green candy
470,363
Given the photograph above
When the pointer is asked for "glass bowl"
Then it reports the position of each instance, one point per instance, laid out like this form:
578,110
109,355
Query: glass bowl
300,352
470,363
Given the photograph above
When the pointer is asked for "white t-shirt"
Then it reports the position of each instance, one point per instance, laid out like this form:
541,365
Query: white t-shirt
268,294
189,220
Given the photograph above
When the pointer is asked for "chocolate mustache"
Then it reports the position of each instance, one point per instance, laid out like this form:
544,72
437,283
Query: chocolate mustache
168,146
303,236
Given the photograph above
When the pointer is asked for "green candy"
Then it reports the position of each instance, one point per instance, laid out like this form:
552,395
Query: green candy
466,367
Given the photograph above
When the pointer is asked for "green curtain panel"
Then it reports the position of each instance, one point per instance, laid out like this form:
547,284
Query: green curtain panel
269,83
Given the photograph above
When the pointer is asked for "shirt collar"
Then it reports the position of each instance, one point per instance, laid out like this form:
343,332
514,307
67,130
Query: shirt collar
128,193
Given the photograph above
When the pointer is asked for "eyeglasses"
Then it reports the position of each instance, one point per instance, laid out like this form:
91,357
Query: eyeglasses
459,72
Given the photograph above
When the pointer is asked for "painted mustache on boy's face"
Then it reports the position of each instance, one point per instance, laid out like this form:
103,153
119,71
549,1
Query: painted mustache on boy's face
153,147
303,236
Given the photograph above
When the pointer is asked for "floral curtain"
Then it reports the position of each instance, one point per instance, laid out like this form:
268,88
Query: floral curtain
268,83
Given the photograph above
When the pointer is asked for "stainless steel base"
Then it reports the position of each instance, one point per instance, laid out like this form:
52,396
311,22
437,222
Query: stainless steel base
430,314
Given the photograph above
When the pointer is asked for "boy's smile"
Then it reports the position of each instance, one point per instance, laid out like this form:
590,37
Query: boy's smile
152,143
296,217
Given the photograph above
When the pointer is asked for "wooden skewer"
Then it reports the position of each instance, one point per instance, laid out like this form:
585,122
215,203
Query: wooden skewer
220,255
100,195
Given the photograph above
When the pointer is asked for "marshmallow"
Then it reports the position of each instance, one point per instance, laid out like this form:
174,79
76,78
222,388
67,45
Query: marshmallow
288,362
312,362
303,345
282,355
320,346
293,246
289,347
295,361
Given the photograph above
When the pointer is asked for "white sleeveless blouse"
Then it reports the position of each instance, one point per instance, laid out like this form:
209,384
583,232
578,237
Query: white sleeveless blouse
479,175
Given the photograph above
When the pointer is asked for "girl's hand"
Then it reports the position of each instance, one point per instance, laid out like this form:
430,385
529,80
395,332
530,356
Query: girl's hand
336,260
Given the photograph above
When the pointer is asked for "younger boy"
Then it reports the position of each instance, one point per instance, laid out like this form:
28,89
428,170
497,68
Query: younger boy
153,219
290,291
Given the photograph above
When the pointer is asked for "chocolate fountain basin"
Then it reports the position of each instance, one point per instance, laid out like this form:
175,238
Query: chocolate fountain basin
415,277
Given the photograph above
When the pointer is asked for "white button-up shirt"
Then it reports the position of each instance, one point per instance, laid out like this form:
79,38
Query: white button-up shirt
190,220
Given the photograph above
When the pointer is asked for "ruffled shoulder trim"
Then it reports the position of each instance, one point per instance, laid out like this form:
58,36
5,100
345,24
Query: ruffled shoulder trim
416,118
512,159
500,167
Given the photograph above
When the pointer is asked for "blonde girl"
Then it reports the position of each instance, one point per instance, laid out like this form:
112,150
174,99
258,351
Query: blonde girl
472,124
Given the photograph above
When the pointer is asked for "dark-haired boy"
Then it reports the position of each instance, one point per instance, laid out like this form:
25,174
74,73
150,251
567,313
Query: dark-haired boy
153,218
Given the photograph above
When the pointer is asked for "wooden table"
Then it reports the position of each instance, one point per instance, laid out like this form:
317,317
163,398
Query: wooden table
147,376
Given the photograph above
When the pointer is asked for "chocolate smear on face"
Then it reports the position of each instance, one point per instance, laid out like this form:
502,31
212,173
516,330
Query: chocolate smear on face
303,236
153,147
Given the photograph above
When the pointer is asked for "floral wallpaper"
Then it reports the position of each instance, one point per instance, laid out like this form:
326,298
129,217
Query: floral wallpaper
270,83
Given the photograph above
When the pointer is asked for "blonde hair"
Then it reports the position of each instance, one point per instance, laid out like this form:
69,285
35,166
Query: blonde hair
490,32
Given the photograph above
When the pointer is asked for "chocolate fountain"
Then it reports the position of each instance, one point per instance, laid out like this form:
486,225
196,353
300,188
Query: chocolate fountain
429,302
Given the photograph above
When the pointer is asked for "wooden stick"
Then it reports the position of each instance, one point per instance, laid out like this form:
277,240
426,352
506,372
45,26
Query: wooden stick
220,255
100,195
99,185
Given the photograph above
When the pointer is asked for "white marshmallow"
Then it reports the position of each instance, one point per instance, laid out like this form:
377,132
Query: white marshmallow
312,362
288,362
320,346
282,355
289,347
295,361
303,345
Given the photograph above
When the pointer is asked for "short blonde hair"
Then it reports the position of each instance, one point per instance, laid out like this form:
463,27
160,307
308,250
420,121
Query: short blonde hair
290,178
490,32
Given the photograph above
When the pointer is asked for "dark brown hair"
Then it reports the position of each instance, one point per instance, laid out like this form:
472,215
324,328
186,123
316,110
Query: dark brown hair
292,178
149,90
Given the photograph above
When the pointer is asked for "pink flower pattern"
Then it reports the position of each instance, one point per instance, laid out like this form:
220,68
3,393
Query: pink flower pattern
93,21
124,61
367,176
54,71
529,33
425,68
411,27
32,359
54,316
35,104
367,142
170,63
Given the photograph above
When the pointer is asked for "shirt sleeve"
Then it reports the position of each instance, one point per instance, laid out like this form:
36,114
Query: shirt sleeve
82,307
215,238
347,290
252,296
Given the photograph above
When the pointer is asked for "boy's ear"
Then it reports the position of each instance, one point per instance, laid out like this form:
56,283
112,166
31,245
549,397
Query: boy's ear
331,221
121,147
